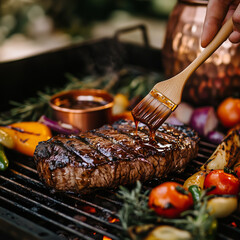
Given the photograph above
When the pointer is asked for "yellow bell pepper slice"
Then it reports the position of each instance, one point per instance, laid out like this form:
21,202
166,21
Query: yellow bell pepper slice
6,140
26,135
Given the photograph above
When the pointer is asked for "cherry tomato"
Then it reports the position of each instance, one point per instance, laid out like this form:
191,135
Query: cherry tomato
170,199
237,171
229,112
225,183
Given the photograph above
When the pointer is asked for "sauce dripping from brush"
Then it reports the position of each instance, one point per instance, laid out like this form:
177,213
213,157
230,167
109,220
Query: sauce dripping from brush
152,128
136,125
153,110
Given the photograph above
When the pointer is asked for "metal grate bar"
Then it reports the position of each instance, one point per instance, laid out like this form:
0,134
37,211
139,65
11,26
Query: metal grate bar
15,204
207,144
21,228
200,155
62,204
26,167
93,205
110,200
66,205
78,223
222,236
26,177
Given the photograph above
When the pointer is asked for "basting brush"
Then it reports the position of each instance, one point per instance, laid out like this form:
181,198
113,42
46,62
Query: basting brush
165,96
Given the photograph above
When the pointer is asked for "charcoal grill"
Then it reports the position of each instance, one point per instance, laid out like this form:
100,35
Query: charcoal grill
29,210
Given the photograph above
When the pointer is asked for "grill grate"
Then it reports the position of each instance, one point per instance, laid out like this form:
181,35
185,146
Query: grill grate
29,210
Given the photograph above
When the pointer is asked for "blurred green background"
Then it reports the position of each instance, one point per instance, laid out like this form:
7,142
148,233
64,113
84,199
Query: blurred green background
33,23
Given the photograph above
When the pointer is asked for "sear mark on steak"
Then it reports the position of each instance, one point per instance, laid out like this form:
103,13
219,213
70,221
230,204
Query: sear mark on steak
113,155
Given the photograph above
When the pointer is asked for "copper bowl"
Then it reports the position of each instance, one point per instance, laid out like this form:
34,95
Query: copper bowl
85,109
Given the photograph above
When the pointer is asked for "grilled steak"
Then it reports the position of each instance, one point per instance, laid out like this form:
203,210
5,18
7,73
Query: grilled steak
113,155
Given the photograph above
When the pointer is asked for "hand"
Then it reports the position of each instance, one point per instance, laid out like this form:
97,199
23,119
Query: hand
218,11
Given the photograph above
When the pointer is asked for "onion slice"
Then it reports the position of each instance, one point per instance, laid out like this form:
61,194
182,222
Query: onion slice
59,127
173,120
184,112
215,137
204,120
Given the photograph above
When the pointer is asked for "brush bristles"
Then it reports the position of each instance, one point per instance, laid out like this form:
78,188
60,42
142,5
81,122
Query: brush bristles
151,111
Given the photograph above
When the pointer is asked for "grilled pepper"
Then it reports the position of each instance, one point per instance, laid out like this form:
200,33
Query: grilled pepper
6,140
26,135
196,179
3,159
196,193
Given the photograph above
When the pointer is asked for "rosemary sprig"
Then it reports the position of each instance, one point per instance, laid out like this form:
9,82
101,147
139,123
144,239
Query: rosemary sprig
135,212
135,208
31,109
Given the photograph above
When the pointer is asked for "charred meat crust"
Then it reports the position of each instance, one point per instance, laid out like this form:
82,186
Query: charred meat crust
113,155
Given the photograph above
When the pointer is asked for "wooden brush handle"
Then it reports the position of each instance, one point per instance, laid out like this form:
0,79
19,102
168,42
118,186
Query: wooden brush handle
221,36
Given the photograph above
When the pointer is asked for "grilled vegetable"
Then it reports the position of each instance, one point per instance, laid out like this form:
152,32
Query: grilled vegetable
215,137
237,171
170,199
168,232
58,127
225,183
196,179
173,120
219,206
183,112
204,120
121,104
236,167
229,112
196,193
222,206
6,140
225,155
226,152
26,135
3,159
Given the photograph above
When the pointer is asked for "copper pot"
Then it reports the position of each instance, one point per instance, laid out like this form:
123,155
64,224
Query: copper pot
85,109
219,76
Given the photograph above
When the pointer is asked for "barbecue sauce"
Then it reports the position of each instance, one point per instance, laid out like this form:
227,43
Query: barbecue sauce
81,104
152,129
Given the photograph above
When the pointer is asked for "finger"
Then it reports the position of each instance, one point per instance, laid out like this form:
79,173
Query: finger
216,12
234,37
236,19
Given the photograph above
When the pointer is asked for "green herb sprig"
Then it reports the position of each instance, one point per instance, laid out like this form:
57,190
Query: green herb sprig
135,208
29,110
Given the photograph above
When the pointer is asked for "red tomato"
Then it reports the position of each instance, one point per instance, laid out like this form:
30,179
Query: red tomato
226,183
167,201
237,171
229,112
